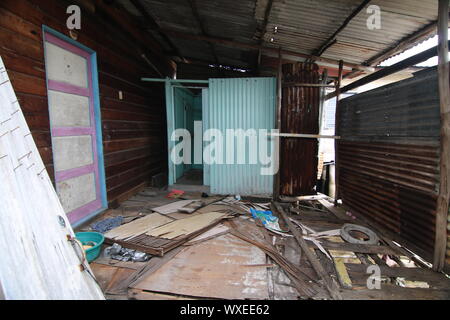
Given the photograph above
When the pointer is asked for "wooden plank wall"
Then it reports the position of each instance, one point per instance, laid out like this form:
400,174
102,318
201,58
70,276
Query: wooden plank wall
134,128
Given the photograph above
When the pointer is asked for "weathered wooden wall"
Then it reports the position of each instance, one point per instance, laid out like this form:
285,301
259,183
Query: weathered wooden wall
389,158
133,128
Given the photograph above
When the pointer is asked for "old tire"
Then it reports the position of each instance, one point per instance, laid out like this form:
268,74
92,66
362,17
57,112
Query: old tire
348,227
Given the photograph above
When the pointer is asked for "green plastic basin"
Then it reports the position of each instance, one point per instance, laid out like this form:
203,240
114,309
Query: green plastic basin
85,238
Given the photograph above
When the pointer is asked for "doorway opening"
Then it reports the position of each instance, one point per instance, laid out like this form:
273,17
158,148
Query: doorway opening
188,110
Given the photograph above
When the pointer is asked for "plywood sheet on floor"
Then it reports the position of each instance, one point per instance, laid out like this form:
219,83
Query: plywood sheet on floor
224,267
137,227
186,226
172,207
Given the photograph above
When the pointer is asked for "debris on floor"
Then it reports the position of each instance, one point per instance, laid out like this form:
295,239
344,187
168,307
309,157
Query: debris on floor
175,194
107,224
117,252
267,219
253,248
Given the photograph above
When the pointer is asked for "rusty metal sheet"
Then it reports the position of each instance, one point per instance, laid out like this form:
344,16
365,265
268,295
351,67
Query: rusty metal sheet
299,114
389,158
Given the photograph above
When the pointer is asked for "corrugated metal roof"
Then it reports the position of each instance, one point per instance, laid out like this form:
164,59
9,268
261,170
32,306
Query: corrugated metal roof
231,19
302,26
305,25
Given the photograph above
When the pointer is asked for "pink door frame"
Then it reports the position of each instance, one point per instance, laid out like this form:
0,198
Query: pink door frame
88,210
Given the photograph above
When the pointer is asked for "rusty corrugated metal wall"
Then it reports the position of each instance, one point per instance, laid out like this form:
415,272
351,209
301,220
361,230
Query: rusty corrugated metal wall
299,114
389,157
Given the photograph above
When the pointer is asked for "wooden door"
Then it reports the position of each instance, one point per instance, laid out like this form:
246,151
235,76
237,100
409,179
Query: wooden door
74,120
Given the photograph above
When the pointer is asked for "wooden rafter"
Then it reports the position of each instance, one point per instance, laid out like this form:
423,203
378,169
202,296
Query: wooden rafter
266,20
332,39
196,14
151,21
263,31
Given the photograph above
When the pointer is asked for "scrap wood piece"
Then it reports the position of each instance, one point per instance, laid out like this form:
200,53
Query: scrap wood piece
329,283
137,294
305,214
402,251
342,273
211,233
292,270
137,227
338,212
304,198
287,254
364,259
212,269
186,226
172,207
361,248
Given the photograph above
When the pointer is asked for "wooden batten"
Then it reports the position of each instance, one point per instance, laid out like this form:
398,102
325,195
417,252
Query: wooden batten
444,98
336,130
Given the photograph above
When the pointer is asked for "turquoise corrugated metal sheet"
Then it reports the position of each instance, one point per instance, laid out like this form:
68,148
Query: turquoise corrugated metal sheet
245,103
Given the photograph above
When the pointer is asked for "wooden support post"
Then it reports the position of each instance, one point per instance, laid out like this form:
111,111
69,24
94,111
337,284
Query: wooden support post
276,191
444,98
337,133
331,286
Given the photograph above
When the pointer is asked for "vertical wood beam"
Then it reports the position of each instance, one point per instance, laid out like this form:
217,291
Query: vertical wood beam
337,132
444,102
276,191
